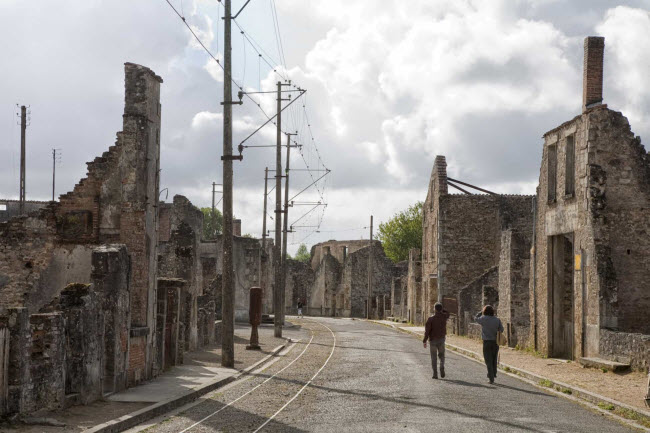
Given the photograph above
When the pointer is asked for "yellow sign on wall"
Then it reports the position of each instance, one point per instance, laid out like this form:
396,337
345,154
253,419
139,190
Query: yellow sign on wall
578,262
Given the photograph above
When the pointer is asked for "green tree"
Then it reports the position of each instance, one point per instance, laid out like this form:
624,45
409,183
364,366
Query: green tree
212,223
302,255
402,232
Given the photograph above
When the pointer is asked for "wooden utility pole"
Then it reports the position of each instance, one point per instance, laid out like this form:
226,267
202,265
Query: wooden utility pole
285,228
277,265
227,291
23,127
370,257
53,171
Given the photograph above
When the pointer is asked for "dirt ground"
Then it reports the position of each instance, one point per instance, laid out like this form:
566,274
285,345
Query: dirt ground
628,387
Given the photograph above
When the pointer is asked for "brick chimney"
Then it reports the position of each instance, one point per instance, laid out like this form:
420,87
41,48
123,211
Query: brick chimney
592,82
439,175
236,227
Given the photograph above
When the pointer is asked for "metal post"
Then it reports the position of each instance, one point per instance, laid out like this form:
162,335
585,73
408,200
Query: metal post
277,294
369,272
23,127
285,228
228,304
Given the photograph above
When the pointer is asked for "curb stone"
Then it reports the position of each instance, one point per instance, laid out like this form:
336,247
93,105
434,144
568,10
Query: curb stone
138,417
554,385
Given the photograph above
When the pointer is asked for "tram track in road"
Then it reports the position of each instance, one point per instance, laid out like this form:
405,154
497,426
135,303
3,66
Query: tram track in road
254,409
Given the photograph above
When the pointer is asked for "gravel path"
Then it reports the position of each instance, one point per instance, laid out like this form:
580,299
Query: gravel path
379,380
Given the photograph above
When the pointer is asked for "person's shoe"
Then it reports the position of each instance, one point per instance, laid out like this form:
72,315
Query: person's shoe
491,381
435,376
442,372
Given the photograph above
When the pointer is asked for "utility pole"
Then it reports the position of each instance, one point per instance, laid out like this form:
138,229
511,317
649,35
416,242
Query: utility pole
227,291
53,171
278,308
23,127
263,258
370,257
277,277
285,228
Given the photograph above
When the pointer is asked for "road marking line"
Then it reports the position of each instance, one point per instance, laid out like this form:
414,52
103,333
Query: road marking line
251,390
306,385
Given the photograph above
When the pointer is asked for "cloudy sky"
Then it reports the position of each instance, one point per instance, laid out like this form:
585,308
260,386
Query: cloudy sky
390,84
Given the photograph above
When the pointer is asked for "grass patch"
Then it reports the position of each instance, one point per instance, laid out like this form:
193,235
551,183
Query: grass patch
507,369
547,383
567,391
603,369
631,415
606,406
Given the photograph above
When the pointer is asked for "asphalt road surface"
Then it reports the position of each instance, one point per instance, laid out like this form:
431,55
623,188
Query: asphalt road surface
354,376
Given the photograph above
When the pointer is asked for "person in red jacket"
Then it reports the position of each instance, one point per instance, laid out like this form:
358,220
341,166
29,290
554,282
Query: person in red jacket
435,332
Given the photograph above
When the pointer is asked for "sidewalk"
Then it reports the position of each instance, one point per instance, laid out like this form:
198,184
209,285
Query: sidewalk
617,392
200,373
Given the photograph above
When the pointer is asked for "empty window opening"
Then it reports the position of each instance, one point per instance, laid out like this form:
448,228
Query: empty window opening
629,252
552,172
345,252
3,207
569,178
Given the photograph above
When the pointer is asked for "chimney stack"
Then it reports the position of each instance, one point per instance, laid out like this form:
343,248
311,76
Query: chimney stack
592,83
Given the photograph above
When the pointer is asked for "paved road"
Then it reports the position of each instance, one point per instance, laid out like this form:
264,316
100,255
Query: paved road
376,379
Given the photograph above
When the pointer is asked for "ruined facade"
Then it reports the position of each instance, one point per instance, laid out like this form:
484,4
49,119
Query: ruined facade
462,248
336,281
591,264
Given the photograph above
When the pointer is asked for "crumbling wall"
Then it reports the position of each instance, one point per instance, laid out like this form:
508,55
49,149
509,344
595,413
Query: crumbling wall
179,257
474,296
300,278
46,362
111,268
414,288
626,347
338,249
326,279
514,294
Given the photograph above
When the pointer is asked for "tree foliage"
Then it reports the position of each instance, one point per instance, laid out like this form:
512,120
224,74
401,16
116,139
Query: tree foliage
212,223
302,255
402,232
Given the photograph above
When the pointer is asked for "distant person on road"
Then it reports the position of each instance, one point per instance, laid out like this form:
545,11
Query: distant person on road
490,328
435,332
300,309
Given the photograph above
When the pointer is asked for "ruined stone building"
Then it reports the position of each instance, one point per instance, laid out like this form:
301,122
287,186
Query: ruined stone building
11,208
591,265
335,283
59,352
465,253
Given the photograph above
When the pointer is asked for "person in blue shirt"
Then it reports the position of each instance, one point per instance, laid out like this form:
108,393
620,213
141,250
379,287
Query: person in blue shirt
490,327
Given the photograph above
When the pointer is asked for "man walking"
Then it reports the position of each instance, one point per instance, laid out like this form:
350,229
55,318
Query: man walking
490,327
435,332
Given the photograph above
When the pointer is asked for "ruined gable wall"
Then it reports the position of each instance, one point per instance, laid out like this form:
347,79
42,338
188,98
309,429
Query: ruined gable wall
472,298
620,209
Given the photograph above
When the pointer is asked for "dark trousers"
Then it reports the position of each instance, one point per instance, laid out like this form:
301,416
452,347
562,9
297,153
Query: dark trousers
491,354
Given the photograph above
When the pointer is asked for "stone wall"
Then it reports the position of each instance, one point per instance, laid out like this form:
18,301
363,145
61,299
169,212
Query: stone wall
338,249
626,347
179,257
606,218
300,277
514,294
11,208
474,296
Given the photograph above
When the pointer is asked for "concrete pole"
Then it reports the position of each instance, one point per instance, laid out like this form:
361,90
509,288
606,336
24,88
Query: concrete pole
285,228
23,127
263,258
227,291
277,265
369,273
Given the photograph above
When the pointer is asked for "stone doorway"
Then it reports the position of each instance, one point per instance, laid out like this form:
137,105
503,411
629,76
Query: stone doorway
562,299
